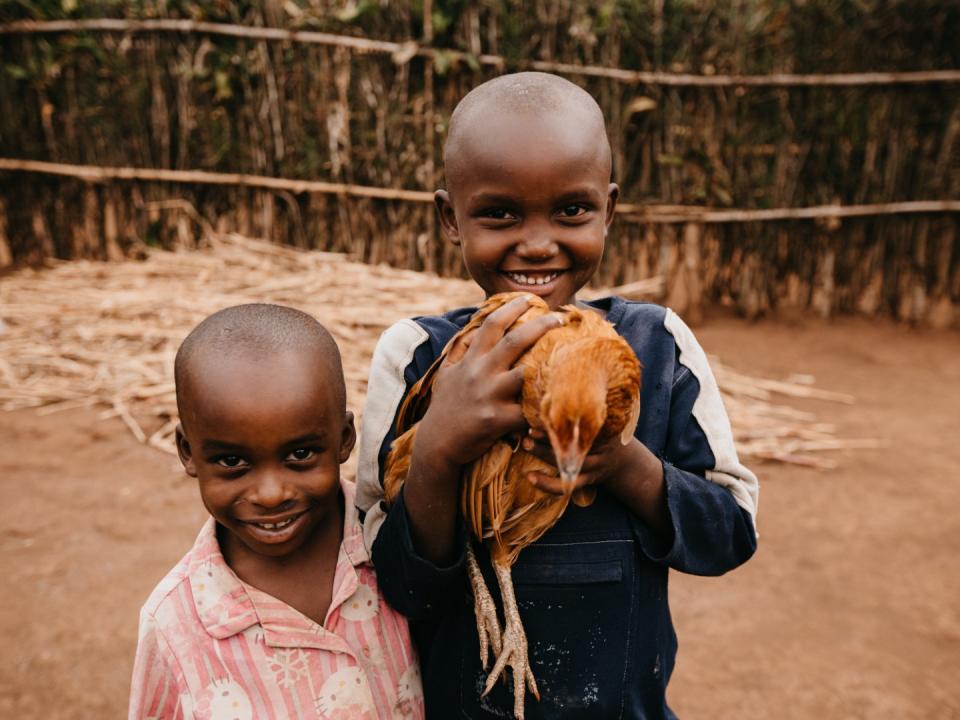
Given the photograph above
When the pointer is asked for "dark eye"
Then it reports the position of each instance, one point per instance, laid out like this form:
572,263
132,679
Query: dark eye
573,211
497,214
301,454
230,461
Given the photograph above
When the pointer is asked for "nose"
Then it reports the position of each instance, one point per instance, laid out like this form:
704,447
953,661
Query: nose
537,243
269,489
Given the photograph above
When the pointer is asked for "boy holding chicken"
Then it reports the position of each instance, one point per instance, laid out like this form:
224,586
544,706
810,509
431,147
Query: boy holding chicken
529,201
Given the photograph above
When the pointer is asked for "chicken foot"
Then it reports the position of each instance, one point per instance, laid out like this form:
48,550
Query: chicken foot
488,625
514,650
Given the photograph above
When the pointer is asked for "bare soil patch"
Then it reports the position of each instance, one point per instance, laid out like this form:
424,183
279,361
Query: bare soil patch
850,608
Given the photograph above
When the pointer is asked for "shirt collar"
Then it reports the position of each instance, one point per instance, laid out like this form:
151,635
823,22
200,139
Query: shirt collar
227,606
352,527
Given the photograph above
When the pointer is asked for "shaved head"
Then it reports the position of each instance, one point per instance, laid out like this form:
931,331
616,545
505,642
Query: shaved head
255,333
548,99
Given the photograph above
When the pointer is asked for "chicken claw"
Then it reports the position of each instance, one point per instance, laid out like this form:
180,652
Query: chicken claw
488,625
514,651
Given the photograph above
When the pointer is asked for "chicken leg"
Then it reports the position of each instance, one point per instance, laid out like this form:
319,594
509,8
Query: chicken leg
488,625
514,650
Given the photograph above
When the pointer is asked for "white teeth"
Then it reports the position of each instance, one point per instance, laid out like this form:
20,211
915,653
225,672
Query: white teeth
276,526
524,280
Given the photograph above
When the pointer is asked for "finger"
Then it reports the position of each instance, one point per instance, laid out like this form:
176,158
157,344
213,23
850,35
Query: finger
516,342
546,483
553,484
460,347
493,328
591,462
512,382
507,386
541,451
512,420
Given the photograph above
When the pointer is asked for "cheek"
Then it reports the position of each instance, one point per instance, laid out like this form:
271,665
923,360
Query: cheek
588,247
320,481
485,249
218,494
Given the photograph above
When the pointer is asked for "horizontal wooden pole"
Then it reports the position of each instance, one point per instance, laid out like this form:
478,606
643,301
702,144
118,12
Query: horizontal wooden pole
403,51
633,212
96,173
693,213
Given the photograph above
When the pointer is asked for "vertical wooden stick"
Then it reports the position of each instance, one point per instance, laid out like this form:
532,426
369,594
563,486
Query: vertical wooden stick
111,247
6,256
822,300
693,269
42,234
427,252
91,230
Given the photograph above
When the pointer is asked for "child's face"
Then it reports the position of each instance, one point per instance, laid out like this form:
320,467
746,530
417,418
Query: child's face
265,442
530,205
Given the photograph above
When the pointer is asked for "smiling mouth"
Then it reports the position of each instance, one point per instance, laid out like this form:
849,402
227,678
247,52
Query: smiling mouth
276,527
530,279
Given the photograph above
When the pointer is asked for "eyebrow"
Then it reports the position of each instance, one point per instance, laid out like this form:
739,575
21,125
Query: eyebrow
305,439
578,194
491,198
209,446
220,445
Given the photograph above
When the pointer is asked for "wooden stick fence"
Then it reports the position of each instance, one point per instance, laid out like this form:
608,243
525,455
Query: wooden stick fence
373,114
665,214
404,51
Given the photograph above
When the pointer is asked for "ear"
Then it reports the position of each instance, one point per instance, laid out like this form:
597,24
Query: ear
185,452
613,194
448,218
348,437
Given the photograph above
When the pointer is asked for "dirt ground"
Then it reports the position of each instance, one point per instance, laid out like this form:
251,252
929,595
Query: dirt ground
851,608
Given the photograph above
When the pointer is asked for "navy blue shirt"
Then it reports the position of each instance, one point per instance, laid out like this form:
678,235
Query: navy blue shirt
592,592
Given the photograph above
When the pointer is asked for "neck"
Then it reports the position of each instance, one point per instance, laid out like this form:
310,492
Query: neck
569,363
578,381
303,578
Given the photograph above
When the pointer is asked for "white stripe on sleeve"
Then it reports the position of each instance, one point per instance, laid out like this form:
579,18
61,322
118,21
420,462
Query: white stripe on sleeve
709,411
385,390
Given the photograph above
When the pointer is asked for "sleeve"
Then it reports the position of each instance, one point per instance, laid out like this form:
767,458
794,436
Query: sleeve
414,586
411,584
154,690
711,495
386,387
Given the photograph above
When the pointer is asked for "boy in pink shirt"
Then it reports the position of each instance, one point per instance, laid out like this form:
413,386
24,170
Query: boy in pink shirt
275,611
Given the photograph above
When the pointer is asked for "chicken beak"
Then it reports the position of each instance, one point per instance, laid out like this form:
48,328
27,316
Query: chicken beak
569,470
569,459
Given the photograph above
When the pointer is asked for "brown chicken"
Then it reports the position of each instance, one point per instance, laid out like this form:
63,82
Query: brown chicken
581,386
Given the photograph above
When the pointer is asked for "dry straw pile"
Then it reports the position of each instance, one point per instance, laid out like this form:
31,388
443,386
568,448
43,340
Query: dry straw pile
84,334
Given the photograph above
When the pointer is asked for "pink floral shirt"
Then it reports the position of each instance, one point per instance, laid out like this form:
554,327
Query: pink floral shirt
212,646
